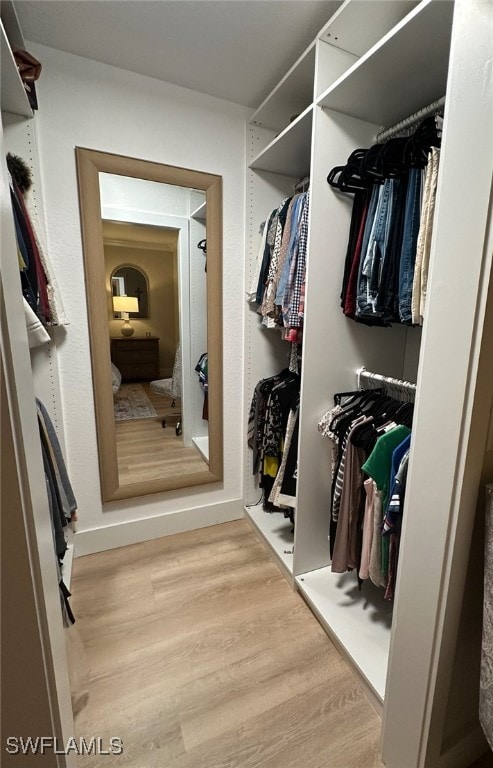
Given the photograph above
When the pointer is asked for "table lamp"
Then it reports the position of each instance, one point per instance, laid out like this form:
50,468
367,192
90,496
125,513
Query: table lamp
126,304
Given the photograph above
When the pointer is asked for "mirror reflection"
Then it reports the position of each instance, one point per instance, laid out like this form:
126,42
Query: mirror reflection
152,238
157,326
128,281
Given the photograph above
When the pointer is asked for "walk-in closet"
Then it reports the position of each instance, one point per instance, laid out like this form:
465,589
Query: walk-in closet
296,347
356,85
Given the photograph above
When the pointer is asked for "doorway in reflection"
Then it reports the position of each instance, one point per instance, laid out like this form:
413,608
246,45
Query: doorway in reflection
156,288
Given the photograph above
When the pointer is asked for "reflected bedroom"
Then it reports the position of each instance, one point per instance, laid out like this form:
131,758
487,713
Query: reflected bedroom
159,432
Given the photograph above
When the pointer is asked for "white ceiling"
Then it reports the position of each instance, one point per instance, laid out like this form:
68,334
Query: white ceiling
128,234
233,49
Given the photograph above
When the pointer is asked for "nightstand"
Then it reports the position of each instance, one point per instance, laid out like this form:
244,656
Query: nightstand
137,359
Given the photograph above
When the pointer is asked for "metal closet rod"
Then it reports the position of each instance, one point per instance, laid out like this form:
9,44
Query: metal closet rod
301,185
362,373
413,119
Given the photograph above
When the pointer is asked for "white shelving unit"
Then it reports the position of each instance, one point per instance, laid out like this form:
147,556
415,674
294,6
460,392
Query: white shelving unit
351,32
197,427
200,213
289,153
356,27
358,622
202,445
290,97
276,532
26,376
407,69
13,95
375,63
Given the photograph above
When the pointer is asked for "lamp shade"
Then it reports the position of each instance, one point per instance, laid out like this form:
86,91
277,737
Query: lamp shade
125,304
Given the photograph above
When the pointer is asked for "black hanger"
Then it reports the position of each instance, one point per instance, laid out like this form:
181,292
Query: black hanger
392,157
357,393
348,178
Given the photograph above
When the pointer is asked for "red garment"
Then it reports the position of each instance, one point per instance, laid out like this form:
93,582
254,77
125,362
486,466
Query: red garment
352,288
44,312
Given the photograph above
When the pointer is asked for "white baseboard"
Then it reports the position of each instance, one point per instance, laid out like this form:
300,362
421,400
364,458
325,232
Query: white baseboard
135,531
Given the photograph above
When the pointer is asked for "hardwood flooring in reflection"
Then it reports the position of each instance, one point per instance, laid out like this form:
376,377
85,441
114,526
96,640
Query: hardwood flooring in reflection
201,656
145,450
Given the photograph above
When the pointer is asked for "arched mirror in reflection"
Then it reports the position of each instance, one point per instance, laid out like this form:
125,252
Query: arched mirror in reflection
127,280
154,308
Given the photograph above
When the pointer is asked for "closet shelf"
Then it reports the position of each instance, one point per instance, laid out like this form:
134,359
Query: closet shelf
276,531
289,153
292,95
14,97
202,445
11,24
200,212
358,622
404,71
355,27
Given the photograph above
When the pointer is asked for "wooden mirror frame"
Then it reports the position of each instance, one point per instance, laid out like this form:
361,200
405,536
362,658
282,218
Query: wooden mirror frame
90,163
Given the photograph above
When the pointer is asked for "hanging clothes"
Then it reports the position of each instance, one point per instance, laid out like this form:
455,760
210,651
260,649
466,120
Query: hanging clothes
36,332
61,499
486,673
272,436
278,282
63,505
387,256
202,369
420,281
370,434
38,284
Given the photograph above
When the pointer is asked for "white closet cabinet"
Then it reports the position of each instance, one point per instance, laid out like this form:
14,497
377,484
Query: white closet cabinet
37,656
198,311
371,66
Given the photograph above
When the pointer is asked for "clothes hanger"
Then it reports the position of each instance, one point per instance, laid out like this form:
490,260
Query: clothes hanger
391,158
356,393
347,178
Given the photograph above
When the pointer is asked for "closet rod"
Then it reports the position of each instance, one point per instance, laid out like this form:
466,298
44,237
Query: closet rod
362,373
412,120
302,185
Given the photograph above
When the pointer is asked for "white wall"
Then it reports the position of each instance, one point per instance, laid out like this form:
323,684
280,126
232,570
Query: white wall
143,195
87,104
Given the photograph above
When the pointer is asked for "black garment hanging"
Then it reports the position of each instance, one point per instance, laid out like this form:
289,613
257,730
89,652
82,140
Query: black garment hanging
202,244
272,402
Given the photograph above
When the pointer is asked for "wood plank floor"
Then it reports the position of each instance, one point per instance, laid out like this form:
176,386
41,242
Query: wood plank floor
201,656
145,450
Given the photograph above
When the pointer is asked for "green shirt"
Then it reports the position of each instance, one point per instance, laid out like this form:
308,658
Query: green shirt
378,466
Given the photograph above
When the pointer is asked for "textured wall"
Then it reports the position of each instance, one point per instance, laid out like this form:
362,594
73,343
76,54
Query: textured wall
87,104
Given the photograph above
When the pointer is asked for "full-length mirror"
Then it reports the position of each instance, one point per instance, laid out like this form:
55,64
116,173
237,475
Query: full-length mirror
152,237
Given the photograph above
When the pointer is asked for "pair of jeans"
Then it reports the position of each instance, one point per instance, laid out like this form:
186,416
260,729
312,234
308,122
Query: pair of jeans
387,302
368,230
372,259
409,243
